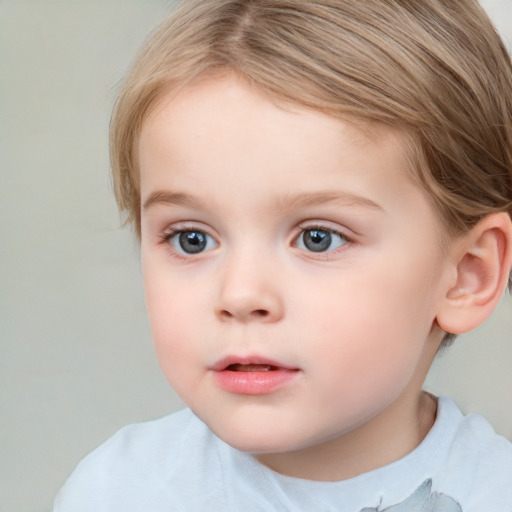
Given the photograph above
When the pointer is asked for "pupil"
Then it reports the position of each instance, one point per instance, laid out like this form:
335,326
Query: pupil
317,240
192,241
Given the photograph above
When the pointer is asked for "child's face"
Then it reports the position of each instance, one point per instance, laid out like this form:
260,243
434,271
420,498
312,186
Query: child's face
292,270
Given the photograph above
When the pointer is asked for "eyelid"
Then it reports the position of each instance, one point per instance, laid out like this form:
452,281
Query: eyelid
326,226
178,227
167,235
323,226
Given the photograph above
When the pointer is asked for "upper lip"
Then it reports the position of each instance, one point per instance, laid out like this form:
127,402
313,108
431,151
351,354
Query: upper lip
223,363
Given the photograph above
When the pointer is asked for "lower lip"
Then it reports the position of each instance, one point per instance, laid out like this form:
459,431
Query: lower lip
254,383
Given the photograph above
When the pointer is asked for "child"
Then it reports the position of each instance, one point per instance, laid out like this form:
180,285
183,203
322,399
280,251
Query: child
323,196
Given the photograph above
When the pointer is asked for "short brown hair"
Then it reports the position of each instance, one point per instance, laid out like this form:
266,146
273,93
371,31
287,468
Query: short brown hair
436,69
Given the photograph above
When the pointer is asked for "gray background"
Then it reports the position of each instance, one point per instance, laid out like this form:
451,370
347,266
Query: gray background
76,359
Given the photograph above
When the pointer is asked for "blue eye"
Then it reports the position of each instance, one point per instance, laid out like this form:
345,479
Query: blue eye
320,240
191,241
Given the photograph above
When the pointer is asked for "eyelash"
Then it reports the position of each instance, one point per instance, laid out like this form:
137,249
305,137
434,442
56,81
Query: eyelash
320,227
172,232
169,234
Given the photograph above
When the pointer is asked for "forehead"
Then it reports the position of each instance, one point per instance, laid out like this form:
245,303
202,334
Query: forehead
225,131
217,104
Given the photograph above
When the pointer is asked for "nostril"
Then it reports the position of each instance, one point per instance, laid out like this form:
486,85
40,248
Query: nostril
256,313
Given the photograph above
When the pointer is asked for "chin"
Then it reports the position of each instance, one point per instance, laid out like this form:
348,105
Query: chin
265,439
251,442
252,439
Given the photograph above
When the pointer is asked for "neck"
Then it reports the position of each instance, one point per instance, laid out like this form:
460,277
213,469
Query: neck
386,438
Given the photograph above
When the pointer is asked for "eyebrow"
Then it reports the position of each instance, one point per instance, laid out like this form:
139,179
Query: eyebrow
287,202
341,198
170,198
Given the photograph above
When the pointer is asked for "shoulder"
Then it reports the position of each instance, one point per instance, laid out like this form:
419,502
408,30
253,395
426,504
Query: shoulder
143,442
475,437
479,461
134,463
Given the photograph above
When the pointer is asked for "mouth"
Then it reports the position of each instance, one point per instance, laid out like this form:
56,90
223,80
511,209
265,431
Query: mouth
252,375
250,364
251,368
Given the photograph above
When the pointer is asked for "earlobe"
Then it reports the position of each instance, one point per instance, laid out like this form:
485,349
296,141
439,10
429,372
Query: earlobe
483,264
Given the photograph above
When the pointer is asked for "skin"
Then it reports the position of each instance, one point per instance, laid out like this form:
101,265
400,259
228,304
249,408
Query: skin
357,321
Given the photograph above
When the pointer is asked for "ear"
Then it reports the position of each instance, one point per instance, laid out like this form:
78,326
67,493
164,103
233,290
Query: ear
482,264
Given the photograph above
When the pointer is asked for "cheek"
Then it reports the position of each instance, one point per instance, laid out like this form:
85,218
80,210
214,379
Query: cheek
171,318
168,298
369,331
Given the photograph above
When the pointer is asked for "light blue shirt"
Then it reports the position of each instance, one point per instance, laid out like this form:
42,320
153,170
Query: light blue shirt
177,464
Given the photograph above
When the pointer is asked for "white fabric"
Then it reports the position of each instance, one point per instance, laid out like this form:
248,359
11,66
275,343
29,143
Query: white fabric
177,464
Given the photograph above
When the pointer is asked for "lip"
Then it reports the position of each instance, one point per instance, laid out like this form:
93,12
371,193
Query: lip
223,363
261,376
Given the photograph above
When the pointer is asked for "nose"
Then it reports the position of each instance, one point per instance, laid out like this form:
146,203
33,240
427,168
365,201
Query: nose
248,292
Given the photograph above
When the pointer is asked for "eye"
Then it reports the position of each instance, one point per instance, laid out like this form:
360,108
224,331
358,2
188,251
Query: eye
191,241
320,240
